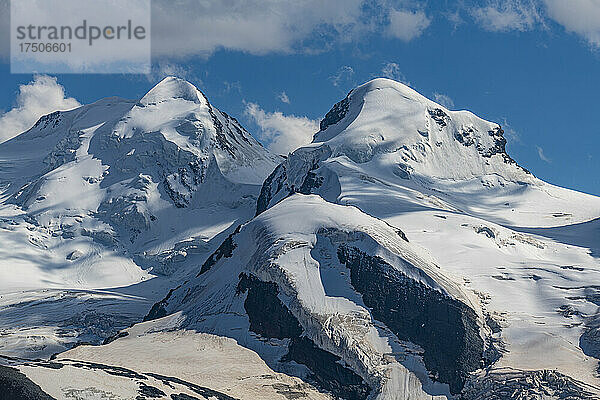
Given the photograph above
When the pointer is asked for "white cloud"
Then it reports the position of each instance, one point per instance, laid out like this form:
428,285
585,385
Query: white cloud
342,76
541,154
282,133
186,28
407,25
192,27
189,27
39,97
508,15
444,100
284,98
162,69
391,70
579,16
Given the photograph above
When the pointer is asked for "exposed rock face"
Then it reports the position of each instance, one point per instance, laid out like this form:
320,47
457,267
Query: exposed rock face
50,120
466,136
158,310
445,328
272,185
271,319
353,324
531,385
336,114
439,116
301,172
16,386
225,250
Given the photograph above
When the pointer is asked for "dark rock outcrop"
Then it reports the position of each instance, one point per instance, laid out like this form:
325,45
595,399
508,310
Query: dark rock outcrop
439,116
159,309
272,184
531,385
336,114
16,386
270,318
445,328
225,250
201,390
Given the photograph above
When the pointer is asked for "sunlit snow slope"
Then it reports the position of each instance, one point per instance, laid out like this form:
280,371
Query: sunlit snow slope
527,249
402,255
109,195
388,149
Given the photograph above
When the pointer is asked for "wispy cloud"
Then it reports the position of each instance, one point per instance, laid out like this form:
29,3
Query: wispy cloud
510,133
541,154
444,100
187,27
162,69
283,97
282,133
455,18
508,15
232,87
342,76
39,97
391,70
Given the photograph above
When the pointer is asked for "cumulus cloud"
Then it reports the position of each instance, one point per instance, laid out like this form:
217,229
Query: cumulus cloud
283,97
39,97
407,25
508,15
541,154
190,27
186,28
282,133
444,100
391,70
578,16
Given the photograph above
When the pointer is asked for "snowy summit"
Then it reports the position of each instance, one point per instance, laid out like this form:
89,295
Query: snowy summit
155,249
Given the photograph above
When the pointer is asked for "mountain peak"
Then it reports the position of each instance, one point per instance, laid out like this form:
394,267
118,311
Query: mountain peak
386,83
172,87
387,120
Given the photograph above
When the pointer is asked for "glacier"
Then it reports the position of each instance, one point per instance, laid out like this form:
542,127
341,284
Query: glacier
154,248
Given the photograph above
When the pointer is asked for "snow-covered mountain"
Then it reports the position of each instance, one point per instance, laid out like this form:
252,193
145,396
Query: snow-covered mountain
387,143
401,255
445,179
110,195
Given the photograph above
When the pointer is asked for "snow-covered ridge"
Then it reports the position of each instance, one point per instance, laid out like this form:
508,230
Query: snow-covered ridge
418,152
113,194
402,255
406,160
384,117
319,261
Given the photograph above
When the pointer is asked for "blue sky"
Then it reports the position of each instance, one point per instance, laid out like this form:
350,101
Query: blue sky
533,66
